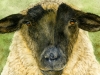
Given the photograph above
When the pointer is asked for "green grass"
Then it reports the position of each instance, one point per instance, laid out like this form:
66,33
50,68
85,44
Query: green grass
5,40
8,7
95,38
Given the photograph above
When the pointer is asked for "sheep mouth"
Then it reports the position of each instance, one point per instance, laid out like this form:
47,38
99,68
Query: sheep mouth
51,72
53,65
49,69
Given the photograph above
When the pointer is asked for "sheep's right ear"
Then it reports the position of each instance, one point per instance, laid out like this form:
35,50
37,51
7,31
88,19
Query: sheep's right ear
10,23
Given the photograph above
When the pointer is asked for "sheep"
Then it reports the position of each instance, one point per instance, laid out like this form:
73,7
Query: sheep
51,38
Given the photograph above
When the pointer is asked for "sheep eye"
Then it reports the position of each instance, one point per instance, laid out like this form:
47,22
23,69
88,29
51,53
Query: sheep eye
72,21
28,23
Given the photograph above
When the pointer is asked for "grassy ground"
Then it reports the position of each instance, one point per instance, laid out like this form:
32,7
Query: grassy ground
5,40
10,7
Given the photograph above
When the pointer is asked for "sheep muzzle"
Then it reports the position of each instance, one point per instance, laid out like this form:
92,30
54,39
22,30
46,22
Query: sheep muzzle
52,59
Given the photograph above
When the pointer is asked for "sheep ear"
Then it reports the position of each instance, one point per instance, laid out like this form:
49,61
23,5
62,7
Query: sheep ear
88,21
10,23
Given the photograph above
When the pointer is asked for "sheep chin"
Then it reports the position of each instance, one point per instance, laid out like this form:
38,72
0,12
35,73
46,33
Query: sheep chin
51,72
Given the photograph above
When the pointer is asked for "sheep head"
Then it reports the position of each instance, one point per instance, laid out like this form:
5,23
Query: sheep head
53,31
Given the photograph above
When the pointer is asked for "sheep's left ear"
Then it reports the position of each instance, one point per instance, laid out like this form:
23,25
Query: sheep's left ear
10,23
88,21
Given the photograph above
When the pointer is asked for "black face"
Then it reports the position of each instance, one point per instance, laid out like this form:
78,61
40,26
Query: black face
54,34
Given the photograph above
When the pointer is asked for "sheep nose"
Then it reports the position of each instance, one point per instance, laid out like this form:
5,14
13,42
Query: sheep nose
52,58
51,54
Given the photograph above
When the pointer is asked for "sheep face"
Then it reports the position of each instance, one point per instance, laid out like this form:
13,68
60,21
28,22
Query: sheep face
54,32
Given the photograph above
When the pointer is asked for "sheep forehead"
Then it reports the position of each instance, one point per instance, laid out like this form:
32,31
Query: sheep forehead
46,4
47,24
50,5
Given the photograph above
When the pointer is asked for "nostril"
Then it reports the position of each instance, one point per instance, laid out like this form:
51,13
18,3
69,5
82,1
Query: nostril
52,57
46,58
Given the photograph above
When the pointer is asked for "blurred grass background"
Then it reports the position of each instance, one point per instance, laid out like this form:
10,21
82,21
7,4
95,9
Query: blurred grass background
8,7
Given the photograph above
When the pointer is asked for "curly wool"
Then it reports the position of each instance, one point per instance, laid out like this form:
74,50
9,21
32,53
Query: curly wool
21,61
